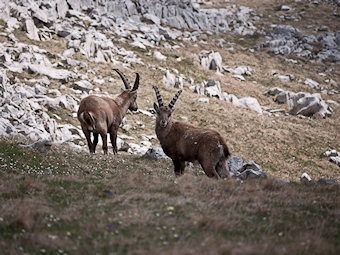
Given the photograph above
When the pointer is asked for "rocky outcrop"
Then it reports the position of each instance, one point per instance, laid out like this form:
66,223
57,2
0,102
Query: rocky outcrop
212,88
22,113
242,170
211,60
288,40
302,103
172,81
334,156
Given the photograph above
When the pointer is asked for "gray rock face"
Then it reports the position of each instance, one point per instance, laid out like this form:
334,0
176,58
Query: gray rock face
54,73
333,156
172,81
22,113
242,170
240,70
213,88
302,103
82,85
249,102
211,60
32,31
156,152
312,84
287,40
210,88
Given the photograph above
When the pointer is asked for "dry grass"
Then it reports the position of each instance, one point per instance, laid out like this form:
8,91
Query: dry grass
135,205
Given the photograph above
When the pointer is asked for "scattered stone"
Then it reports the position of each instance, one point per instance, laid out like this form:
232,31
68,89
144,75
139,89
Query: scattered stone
285,8
238,77
305,178
251,103
242,170
58,74
240,70
31,29
156,152
274,91
159,56
137,149
203,100
172,81
213,88
122,145
302,103
82,85
138,44
333,156
312,84
211,60
40,145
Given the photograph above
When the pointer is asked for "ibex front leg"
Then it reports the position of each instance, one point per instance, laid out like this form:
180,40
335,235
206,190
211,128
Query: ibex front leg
113,137
104,138
179,166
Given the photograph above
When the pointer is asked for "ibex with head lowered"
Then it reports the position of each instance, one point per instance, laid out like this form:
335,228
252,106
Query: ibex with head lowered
102,115
183,142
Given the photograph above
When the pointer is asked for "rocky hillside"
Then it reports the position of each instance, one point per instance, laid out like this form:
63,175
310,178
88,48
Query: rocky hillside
264,73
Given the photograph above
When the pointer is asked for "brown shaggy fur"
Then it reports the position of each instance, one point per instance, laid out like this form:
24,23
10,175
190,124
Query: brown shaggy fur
183,142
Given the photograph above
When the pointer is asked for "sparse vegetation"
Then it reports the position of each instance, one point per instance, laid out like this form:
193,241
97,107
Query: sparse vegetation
63,202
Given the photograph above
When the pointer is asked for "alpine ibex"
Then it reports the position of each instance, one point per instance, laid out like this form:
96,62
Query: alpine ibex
183,142
102,115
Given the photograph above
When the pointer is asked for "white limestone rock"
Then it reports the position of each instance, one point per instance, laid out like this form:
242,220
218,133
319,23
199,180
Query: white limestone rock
211,60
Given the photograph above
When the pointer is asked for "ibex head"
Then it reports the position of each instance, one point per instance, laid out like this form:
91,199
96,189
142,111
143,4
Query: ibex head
130,93
164,112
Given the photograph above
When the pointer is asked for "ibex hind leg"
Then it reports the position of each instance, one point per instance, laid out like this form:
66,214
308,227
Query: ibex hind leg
209,168
221,168
87,134
95,141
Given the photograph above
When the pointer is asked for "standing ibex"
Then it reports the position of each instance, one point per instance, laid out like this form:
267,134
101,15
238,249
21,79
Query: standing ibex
102,115
183,142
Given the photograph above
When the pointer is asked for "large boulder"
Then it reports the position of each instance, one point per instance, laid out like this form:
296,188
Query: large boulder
156,152
334,156
211,60
172,81
242,170
304,103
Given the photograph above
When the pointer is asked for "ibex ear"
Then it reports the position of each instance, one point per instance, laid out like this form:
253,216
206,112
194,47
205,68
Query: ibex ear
133,92
155,106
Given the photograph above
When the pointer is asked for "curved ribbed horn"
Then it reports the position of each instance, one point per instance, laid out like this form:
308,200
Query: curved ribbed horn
173,101
135,86
159,97
126,83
